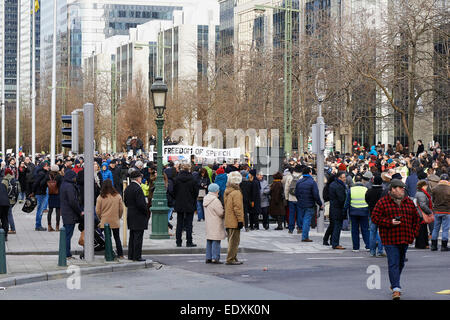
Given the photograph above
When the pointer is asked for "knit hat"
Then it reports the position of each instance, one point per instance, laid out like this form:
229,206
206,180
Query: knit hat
377,181
213,187
234,177
444,176
253,172
220,171
367,175
342,167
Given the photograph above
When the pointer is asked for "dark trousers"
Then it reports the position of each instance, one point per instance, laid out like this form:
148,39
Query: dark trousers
265,214
246,216
58,215
4,219
329,231
184,220
116,235
422,239
135,244
335,237
69,233
254,218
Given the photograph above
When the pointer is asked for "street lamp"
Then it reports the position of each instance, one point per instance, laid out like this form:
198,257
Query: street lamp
319,138
159,207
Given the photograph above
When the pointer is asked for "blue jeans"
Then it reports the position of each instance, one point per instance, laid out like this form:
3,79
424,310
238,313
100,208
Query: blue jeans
294,213
22,196
396,262
444,220
200,213
213,249
307,214
374,239
357,223
169,214
11,219
40,208
69,233
46,200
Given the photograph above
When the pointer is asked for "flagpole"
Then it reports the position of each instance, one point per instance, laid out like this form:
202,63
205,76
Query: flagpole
18,83
53,108
33,89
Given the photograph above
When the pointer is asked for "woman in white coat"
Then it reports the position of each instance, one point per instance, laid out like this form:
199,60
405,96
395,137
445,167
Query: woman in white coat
215,226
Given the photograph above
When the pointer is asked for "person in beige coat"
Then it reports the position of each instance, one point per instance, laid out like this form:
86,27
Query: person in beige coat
109,209
234,215
215,226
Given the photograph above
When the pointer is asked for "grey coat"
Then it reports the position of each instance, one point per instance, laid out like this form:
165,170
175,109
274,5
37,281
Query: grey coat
422,202
265,191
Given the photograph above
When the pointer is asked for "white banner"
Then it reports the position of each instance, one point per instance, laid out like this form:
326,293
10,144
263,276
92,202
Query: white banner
200,152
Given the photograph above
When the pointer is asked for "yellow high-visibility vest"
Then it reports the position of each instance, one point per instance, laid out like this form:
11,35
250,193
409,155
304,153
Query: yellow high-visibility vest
358,197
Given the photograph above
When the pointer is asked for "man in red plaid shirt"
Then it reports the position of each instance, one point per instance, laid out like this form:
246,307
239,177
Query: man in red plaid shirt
398,220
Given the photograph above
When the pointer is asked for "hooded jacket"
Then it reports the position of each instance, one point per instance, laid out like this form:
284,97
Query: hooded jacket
40,182
214,217
221,180
234,209
106,174
69,199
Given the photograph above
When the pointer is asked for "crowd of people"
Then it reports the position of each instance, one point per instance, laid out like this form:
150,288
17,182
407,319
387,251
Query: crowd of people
389,196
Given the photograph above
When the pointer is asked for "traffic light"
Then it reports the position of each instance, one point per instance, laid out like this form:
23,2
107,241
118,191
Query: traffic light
67,131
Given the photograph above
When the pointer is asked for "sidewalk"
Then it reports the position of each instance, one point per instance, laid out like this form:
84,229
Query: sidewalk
34,254
29,241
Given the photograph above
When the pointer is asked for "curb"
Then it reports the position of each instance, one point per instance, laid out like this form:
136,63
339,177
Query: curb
62,274
144,251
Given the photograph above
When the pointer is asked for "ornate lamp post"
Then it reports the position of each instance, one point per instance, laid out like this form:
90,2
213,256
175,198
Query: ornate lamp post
159,203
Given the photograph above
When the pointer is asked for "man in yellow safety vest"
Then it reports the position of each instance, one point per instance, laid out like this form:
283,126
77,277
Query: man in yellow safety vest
359,213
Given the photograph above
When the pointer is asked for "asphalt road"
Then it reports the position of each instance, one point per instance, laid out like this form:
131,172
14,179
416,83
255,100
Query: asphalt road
263,276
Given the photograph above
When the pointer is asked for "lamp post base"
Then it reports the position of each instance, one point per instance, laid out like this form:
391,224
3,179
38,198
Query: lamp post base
159,225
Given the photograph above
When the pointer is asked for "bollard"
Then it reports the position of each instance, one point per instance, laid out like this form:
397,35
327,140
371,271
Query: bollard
2,252
109,254
62,259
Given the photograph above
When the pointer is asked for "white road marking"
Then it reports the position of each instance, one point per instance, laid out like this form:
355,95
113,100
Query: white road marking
336,258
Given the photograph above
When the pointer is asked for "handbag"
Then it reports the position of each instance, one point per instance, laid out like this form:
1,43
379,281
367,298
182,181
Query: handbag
427,218
201,194
30,204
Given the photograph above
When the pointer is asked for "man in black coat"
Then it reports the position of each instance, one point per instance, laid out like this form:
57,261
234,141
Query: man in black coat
116,173
137,215
71,211
338,195
185,190
255,200
40,191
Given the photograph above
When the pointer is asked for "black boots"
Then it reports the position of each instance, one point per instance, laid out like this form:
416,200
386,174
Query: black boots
433,245
444,245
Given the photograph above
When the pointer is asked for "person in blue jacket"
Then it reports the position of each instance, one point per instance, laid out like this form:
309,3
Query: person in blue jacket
221,180
307,194
106,173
